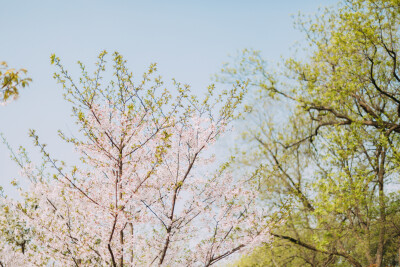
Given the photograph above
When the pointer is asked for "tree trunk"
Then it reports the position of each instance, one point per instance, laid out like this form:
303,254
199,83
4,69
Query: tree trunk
382,209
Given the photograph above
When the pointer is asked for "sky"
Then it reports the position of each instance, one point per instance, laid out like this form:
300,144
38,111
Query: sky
189,40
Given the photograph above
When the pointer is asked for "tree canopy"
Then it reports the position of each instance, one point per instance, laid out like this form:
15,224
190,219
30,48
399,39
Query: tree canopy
332,156
11,81
147,190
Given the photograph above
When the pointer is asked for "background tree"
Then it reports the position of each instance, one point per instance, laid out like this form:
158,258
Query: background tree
147,192
334,153
14,234
11,81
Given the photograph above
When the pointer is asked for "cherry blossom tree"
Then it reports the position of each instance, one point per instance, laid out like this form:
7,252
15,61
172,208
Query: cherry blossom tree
148,190
14,236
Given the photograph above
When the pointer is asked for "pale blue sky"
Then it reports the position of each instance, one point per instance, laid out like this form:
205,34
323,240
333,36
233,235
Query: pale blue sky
188,39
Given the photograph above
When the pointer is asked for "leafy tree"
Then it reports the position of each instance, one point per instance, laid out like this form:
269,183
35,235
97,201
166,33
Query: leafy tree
332,157
14,235
145,192
11,81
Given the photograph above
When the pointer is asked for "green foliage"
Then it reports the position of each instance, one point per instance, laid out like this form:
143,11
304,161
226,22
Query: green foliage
11,81
334,152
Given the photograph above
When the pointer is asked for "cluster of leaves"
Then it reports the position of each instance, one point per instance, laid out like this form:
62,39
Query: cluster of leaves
332,158
11,81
